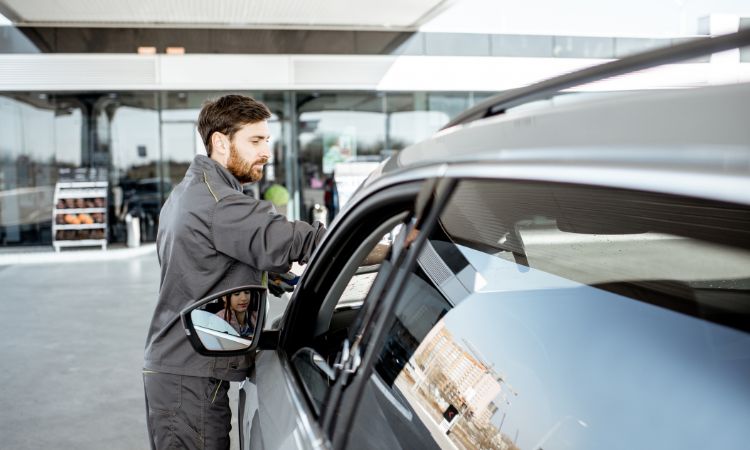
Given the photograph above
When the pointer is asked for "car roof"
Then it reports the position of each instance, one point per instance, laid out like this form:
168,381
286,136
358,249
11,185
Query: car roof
698,122
702,126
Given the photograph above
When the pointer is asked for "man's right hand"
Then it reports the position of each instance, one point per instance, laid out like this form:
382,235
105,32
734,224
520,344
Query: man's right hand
377,255
279,283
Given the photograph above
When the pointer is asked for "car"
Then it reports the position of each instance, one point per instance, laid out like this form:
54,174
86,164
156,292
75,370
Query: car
142,198
573,275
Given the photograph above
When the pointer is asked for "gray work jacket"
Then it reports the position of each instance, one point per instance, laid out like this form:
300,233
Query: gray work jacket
213,237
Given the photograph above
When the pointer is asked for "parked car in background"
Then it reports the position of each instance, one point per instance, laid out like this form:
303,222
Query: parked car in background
575,275
143,199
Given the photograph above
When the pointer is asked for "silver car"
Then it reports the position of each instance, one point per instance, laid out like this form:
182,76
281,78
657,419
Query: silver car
570,275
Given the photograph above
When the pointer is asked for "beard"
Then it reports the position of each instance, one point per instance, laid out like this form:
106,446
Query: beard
244,170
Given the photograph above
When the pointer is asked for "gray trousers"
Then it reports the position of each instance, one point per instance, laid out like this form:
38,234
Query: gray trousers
187,412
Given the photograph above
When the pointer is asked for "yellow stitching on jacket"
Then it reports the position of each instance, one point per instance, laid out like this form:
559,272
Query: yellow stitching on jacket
205,179
216,391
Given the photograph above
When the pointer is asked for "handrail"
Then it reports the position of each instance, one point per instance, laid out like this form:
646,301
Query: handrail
499,103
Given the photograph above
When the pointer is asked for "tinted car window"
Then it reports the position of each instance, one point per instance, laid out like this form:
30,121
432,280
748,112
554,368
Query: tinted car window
543,316
342,307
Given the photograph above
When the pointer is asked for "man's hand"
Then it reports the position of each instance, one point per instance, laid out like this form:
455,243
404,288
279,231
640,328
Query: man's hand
377,255
380,252
279,283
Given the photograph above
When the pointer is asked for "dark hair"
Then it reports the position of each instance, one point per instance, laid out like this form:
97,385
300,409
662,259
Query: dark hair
227,307
227,115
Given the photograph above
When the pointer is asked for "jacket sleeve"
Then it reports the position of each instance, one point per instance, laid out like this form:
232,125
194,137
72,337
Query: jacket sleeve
250,231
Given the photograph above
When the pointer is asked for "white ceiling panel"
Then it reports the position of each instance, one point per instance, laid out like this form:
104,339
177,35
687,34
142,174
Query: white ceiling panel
378,14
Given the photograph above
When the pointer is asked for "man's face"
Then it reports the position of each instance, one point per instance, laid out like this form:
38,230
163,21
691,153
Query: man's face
249,152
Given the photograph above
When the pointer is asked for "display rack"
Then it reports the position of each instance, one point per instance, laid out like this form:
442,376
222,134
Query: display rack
80,214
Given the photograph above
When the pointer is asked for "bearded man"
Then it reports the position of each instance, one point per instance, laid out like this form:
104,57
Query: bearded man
212,237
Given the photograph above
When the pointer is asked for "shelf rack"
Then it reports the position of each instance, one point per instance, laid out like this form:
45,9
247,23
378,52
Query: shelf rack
79,234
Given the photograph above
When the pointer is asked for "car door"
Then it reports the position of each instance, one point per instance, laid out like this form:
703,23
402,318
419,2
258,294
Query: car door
285,396
539,314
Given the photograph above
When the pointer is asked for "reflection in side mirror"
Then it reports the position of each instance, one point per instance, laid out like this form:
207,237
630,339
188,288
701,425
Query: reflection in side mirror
227,323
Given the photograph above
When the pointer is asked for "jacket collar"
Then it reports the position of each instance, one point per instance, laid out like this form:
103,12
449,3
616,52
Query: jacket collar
203,163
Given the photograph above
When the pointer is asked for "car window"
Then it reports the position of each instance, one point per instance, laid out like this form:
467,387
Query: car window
315,366
353,283
356,270
366,267
556,316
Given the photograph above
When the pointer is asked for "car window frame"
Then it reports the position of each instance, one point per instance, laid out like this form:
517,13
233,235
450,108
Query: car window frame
333,295
352,227
299,320
432,200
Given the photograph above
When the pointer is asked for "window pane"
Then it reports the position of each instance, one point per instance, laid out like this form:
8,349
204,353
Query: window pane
457,44
569,317
745,51
410,119
610,238
41,133
522,46
450,104
337,129
367,268
342,310
583,47
129,123
629,46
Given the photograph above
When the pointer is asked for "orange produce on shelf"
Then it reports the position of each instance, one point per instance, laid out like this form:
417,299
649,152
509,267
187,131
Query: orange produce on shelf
85,219
72,219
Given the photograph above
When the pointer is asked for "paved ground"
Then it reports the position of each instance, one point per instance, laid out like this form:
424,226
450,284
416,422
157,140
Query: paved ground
71,345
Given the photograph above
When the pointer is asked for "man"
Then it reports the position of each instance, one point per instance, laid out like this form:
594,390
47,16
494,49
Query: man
212,237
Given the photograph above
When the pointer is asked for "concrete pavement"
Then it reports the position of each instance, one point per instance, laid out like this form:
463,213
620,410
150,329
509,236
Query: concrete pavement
71,345
47,255
72,339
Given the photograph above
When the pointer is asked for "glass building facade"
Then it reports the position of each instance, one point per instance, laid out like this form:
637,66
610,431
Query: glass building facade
146,140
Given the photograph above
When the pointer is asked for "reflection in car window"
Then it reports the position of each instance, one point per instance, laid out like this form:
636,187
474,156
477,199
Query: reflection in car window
569,317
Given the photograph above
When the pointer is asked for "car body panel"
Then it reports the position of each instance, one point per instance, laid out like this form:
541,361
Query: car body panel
684,119
282,414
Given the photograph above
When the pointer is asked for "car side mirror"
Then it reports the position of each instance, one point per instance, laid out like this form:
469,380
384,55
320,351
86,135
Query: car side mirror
227,323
